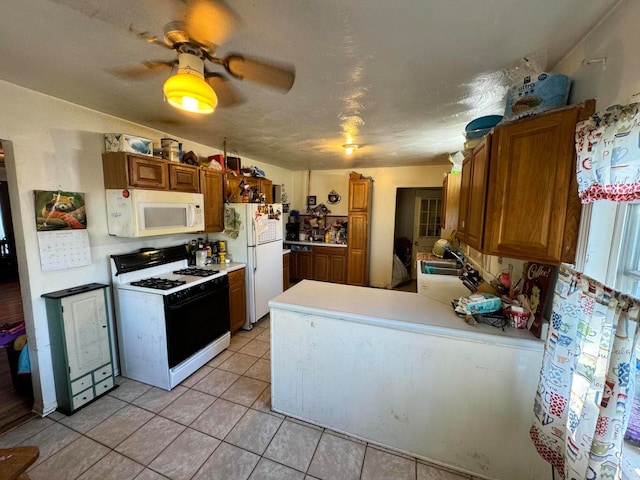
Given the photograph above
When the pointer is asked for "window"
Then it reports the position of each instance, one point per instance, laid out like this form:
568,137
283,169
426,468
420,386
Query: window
611,247
429,217
627,278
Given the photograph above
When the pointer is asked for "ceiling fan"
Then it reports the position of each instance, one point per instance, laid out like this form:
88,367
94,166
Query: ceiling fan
194,87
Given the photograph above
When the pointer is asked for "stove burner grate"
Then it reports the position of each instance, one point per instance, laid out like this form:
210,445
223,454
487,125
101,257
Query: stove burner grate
158,283
196,272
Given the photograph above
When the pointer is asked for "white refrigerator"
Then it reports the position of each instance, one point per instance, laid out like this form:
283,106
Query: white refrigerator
259,245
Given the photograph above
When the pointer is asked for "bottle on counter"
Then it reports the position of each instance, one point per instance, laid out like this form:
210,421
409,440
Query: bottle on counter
327,237
192,253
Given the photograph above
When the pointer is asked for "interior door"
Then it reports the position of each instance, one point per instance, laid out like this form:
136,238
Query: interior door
426,223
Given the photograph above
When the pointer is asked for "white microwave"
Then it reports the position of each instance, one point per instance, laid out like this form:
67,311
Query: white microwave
144,213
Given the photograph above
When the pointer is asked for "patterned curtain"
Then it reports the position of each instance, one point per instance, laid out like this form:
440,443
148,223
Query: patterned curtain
584,397
608,155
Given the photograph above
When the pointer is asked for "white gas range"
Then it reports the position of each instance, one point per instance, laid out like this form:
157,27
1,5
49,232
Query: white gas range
171,318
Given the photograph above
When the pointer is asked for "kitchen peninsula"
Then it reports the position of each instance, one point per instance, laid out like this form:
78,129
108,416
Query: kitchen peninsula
403,371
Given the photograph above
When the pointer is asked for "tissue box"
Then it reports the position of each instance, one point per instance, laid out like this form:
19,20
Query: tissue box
537,93
121,142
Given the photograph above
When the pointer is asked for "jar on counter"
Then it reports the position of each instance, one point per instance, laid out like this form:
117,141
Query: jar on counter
201,257
327,237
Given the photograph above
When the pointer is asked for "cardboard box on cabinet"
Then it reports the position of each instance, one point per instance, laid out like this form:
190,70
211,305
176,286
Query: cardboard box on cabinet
122,142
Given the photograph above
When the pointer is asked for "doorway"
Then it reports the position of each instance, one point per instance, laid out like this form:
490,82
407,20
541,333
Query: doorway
417,225
16,391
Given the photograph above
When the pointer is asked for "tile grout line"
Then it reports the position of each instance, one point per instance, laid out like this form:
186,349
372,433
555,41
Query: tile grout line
188,426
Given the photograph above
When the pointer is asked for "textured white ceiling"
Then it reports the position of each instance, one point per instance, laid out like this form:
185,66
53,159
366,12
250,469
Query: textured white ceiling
402,78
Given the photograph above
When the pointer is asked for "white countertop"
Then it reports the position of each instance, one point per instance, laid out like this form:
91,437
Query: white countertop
228,267
395,309
285,251
315,244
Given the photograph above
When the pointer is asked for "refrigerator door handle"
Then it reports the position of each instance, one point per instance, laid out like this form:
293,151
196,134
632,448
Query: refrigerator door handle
255,259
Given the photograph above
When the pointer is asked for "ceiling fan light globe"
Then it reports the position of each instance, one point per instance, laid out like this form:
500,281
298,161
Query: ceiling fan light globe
349,148
191,93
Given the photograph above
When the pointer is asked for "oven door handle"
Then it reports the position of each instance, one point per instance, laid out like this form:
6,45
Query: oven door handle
196,298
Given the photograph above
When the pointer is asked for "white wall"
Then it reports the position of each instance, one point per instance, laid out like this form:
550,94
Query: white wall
605,66
51,144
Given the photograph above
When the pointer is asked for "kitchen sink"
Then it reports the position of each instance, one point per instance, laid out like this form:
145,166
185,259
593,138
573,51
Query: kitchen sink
440,267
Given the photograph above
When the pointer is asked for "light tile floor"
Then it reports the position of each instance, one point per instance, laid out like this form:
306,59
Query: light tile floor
216,425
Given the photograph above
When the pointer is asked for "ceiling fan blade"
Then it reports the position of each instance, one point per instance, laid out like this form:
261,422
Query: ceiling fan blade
270,74
139,72
228,95
210,22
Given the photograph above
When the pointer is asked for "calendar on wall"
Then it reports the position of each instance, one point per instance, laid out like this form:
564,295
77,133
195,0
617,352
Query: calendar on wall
64,249
61,224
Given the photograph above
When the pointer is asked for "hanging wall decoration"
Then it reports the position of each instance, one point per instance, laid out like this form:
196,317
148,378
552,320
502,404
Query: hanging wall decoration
333,197
61,224
57,210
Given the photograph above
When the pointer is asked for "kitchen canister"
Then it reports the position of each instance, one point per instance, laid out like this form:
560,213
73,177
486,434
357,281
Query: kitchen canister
170,149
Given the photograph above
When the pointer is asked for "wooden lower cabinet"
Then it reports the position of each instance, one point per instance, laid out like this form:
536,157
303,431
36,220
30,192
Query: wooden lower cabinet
304,265
329,264
285,270
358,269
324,264
237,299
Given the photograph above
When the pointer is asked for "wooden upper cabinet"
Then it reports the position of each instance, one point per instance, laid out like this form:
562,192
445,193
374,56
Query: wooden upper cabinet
359,195
232,188
126,170
532,189
184,178
211,185
465,190
266,187
450,201
478,193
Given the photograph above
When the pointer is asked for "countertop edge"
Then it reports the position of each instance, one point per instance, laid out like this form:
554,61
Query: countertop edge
315,244
479,337
230,267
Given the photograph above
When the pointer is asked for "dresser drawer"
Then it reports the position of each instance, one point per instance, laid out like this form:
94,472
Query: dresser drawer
104,386
81,384
82,398
102,373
